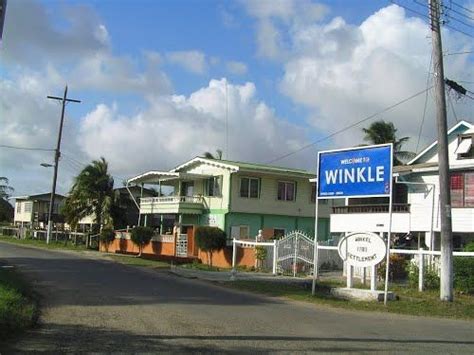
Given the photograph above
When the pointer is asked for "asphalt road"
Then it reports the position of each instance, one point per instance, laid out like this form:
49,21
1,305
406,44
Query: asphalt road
100,306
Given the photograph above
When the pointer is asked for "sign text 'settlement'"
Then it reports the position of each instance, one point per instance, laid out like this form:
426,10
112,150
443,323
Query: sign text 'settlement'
362,249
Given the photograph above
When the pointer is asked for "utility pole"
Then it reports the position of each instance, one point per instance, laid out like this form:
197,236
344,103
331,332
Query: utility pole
57,154
446,287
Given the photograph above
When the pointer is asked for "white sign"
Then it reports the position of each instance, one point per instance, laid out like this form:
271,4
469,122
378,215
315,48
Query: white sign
362,249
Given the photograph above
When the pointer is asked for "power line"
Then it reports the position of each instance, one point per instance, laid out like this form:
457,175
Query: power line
351,126
462,7
424,16
452,108
457,53
26,148
425,105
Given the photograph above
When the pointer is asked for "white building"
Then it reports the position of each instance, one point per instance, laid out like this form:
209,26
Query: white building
416,210
32,210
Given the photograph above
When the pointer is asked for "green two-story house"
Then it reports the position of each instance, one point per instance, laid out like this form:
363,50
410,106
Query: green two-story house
240,198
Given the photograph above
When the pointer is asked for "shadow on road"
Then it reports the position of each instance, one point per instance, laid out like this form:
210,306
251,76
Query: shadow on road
89,339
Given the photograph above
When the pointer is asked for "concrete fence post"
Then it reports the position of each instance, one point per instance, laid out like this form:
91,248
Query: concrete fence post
234,257
421,270
274,257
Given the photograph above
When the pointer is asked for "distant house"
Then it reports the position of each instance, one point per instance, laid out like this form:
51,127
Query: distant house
129,210
238,197
416,212
32,210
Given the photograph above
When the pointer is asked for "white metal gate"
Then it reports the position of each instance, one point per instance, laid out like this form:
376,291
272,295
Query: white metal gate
295,254
182,245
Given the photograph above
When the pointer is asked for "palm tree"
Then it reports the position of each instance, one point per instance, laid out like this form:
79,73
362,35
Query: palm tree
381,132
91,194
5,189
218,155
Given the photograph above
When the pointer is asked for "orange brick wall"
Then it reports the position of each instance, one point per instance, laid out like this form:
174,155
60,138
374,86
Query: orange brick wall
127,246
223,258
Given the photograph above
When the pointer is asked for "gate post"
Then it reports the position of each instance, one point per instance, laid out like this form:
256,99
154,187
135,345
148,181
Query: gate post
275,257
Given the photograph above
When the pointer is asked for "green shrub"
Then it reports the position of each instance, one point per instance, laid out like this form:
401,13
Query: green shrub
260,254
397,270
210,239
464,274
107,236
469,247
141,236
430,276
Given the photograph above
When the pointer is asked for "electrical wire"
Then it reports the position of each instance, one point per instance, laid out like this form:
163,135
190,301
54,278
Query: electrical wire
26,148
391,107
452,108
425,105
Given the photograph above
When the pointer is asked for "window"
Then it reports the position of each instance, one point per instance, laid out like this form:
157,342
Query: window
249,187
278,233
28,207
465,148
213,186
462,189
240,232
18,208
286,191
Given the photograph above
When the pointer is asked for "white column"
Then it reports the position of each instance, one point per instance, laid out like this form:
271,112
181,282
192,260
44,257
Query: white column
350,276
421,270
234,257
373,278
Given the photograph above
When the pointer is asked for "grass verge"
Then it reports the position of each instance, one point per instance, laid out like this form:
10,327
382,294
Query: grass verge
134,261
410,301
42,244
18,304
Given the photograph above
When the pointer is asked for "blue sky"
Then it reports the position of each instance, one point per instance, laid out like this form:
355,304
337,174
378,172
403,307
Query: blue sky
154,78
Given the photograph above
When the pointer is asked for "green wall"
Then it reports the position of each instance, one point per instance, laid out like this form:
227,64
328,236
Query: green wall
260,221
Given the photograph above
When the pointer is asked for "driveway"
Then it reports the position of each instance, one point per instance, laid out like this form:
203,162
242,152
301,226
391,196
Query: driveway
101,306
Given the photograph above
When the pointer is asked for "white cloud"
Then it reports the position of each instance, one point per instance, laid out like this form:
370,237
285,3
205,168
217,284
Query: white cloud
193,61
344,73
30,37
277,19
175,128
237,68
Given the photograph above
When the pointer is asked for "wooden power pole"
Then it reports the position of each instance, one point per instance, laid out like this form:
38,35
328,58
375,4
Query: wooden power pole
57,154
446,287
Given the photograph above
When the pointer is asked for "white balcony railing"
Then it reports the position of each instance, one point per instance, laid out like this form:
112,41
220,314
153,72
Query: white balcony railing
171,199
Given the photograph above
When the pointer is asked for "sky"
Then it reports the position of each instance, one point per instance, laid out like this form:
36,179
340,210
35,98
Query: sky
161,82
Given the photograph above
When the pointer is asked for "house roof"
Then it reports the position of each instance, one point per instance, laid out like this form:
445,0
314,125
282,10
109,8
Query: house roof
461,126
37,196
246,167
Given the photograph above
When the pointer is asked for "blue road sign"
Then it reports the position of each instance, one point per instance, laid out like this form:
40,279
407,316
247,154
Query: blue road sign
355,172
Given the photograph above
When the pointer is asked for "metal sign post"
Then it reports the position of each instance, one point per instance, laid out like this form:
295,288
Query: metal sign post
354,172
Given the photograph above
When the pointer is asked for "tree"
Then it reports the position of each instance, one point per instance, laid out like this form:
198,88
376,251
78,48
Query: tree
218,155
210,239
141,236
381,132
6,209
107,236
5,189
91,194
